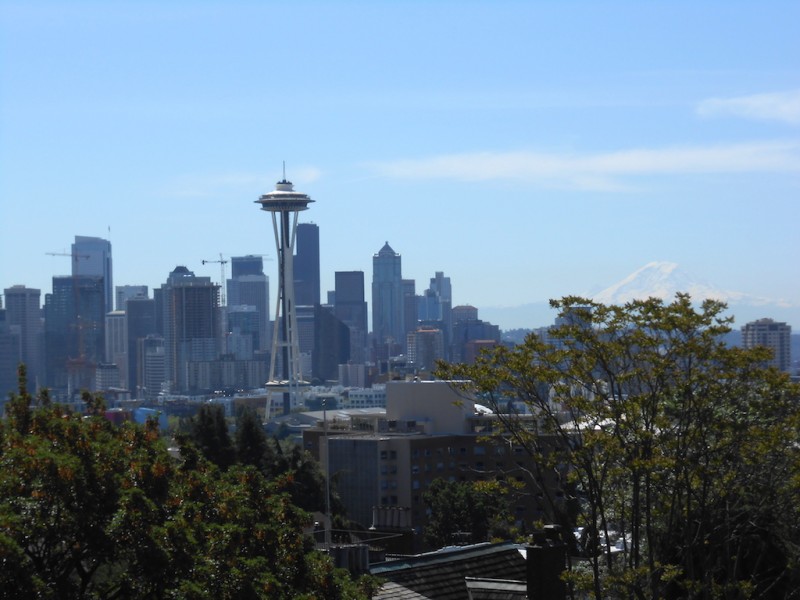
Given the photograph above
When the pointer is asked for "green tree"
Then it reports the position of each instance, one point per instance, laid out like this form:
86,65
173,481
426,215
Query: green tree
683,448
252,444
209,432
92,510
463,511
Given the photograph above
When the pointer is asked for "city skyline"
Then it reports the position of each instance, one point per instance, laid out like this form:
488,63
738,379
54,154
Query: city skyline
526,151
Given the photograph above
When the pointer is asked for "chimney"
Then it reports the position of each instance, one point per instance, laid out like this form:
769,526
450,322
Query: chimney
546,561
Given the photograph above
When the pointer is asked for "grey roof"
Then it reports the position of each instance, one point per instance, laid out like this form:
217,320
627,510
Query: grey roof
441,575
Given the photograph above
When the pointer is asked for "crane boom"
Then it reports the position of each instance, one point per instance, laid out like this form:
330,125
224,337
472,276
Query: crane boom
222,262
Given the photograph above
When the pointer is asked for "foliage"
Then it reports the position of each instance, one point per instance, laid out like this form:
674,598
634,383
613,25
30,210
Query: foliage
685,450
91,510
456,508
209,432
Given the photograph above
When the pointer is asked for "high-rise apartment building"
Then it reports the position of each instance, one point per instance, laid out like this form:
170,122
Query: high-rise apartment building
191,324
92,256
306,265
425,347
388,323
23,311
350,307
773,335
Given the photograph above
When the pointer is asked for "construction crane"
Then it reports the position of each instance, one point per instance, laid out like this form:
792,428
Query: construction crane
75,256
222,262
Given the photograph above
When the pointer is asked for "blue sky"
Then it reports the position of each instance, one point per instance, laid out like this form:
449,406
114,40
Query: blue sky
527,149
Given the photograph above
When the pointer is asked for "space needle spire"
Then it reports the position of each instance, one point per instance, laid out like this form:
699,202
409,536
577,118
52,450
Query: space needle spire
285,204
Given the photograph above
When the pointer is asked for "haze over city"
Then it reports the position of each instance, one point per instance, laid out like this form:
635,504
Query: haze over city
527,150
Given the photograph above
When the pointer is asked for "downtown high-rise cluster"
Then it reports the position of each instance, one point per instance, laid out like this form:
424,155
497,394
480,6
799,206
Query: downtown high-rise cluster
187,337
132,342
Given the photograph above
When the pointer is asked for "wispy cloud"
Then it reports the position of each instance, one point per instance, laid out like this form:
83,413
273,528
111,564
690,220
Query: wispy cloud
777,106
212,184
598,172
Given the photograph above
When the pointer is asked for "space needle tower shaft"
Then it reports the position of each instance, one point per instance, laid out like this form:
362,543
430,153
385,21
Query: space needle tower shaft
285,204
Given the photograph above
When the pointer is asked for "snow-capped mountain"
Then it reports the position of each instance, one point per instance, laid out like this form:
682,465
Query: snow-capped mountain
663,280
660,280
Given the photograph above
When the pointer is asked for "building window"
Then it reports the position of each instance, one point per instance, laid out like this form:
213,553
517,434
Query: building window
479,450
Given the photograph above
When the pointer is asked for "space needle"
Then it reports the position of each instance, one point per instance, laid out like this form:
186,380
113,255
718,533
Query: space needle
285,204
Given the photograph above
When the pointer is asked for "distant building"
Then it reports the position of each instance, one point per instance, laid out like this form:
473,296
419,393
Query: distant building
92,256
410,320
467,330
23,311
249,286
306,265
140,322
387,298
191,324
126,292
10,357
465,312
430,431
425,347
331,344
244,331
74,332
246,265
116,352
350,307
773,335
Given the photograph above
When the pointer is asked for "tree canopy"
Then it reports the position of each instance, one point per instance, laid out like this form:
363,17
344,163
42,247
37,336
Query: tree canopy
683,454
462,511
92,510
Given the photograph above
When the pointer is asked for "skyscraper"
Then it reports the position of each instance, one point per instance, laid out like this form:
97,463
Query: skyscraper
126,292
74,331
306,265
351,308
387,297
249,286
251,264
92,256
773,335
116,339
191,323
140,321
23,311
